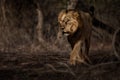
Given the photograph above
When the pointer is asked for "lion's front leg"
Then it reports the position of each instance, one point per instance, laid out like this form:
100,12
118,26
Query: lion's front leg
74,56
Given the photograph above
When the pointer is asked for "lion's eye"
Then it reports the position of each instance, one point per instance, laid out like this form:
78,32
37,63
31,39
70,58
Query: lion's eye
62,28
69,23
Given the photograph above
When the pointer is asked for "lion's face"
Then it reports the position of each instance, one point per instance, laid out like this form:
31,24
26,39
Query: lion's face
68,22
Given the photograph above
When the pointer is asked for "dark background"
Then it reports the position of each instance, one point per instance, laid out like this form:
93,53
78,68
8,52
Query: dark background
30,47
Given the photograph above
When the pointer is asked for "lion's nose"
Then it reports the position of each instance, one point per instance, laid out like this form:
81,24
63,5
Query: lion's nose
63,32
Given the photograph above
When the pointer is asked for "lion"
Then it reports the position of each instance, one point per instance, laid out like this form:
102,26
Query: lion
77,26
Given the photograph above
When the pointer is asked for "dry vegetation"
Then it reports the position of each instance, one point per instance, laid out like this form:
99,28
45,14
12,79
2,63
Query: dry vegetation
30,49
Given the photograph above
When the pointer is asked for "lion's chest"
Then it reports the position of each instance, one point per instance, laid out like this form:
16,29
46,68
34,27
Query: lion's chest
72,39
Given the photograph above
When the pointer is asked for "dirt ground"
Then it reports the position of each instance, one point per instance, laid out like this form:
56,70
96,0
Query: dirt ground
55,66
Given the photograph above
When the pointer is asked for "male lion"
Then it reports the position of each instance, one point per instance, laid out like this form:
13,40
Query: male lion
77,26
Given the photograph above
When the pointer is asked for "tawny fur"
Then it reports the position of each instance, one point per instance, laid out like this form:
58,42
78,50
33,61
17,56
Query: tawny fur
78,26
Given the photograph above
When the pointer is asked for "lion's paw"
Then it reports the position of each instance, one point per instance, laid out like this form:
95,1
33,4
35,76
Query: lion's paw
72,61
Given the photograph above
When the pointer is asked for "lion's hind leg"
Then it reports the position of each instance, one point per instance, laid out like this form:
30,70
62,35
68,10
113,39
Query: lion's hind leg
86,52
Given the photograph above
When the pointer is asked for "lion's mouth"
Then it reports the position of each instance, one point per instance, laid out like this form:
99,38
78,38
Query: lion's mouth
66,33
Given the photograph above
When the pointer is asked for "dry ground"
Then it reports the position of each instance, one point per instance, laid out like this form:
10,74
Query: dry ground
55,66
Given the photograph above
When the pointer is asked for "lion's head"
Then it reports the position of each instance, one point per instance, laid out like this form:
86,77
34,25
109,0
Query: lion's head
69,21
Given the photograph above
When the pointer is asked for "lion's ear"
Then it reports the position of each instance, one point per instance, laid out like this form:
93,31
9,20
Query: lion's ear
76,14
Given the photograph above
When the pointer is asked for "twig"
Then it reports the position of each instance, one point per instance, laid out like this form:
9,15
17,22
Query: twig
113,44
103,64
61,71
67,66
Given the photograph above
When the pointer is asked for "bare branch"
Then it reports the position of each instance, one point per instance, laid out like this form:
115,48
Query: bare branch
3,11
116,41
